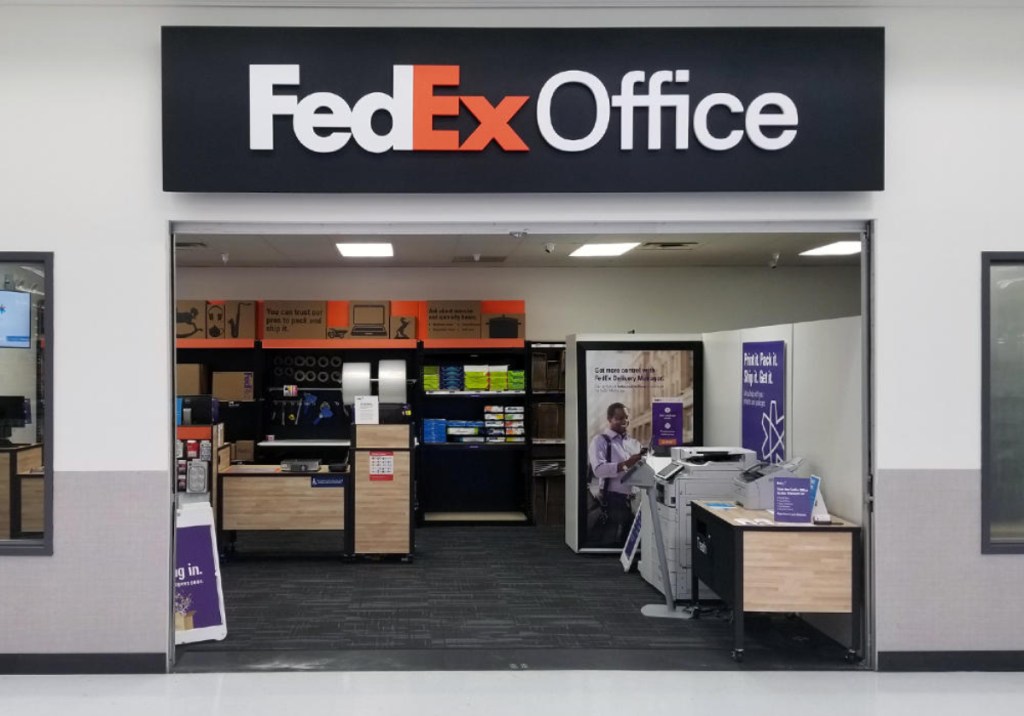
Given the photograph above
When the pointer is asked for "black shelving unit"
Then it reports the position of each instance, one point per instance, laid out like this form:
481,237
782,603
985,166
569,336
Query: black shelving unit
273,368
472,482
546,397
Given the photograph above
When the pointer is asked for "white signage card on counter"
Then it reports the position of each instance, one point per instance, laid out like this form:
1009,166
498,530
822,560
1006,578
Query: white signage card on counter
367,410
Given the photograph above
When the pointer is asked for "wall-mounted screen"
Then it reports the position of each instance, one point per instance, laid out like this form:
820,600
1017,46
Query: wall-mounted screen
15,319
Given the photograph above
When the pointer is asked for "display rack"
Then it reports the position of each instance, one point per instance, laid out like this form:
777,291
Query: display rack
546,393
472,482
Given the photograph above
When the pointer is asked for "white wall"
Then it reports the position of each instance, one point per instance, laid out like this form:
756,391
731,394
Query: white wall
564,301
80,141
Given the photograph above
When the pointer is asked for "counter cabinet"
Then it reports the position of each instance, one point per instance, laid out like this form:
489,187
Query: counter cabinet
758,565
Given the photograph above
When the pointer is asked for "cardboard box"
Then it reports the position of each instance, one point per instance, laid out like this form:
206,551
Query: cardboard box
245,450
215,320
191,379
190,319
240,319
402,327
294,319
453,319
503,325
369,319
236,385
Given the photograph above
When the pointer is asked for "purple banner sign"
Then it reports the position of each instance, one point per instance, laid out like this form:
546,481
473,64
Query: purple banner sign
667,423
764,400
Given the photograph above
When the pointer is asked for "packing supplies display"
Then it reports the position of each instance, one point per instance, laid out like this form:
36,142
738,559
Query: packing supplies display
477,377
435,430
431,377
452,377
517,380
465,428
498,377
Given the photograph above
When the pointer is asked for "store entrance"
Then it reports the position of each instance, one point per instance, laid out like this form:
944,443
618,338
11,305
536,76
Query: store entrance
391,490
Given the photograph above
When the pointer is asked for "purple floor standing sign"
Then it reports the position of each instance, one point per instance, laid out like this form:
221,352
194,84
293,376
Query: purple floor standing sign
198,597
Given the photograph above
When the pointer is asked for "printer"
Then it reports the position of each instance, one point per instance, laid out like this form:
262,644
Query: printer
689,473
755,487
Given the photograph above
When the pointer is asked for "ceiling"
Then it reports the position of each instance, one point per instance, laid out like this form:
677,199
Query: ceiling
509,250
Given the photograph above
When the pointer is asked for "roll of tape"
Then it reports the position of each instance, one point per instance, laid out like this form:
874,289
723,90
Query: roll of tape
323,362
300,376
322,377
278,372
391,381
355,380
336,362
335,376
289,372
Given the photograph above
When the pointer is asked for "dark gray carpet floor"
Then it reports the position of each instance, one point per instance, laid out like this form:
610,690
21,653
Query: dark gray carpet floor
502,589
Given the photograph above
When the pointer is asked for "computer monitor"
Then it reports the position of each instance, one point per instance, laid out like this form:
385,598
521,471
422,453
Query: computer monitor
15,319
12,415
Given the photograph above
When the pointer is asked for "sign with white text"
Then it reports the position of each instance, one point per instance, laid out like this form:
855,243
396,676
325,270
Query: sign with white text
271,109
764,400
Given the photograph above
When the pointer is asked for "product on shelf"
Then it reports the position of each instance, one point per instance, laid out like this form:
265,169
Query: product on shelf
517,380
477,377
431,377
452,377
499,377
435,430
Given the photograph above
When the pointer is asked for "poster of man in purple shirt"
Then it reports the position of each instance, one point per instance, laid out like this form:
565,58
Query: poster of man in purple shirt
622,389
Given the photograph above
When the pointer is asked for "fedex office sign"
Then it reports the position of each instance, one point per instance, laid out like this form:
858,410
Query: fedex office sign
522,110
325,122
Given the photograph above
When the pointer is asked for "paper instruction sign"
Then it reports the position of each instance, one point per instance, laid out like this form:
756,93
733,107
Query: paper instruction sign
382,466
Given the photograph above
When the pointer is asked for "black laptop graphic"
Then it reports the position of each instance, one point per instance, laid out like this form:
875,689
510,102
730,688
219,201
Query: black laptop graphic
368,321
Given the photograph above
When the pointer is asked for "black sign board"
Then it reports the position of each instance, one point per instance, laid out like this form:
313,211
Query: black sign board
522,110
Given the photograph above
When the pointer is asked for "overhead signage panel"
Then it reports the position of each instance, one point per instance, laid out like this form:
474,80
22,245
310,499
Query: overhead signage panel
522,110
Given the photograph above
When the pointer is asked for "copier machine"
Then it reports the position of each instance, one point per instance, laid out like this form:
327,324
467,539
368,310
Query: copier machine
690,473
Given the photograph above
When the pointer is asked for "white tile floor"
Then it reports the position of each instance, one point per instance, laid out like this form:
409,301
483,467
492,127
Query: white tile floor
565,693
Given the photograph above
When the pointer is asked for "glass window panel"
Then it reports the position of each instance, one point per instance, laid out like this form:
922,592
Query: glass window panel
25,486
1003,463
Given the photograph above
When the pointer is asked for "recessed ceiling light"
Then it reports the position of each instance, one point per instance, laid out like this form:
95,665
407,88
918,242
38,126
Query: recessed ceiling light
839,248
603,249
366,250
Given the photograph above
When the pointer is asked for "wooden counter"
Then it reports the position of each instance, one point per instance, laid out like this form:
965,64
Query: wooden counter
756,564
21,491
262,497
382,474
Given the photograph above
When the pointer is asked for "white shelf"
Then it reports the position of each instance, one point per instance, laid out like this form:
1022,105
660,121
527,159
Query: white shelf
549,441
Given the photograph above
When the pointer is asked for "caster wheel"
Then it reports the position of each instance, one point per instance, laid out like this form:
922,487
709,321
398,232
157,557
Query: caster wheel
851,657
737,655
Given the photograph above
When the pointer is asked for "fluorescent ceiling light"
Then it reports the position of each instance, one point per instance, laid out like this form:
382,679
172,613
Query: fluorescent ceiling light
839,248
365,250
603,249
